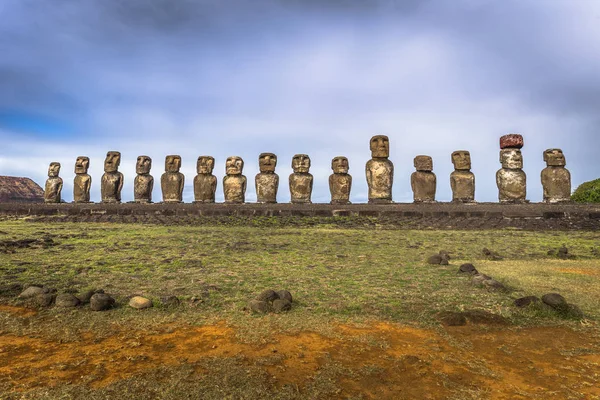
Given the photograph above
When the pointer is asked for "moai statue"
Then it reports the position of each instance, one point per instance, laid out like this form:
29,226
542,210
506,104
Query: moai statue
462,180
234,183
172,181
143,182
423,181
205,183
556,179
267,181
54,184
340,182
380,171
511,180
301,181
82,182
112,180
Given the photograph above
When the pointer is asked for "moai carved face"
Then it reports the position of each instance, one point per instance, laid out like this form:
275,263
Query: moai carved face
301,163
234,165
380,146
511,158
172,163
461,160
267,162
340,165
143,165
112,161
53,169
424,163
205,165
82,164
555,158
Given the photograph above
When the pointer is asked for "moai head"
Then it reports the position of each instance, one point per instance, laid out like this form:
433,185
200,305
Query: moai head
143,165
172,163
53,169
380,146
340,165
205,165
424,163
301,163
82,164
112,161
267,162
511,158
234,165
461,160
555,158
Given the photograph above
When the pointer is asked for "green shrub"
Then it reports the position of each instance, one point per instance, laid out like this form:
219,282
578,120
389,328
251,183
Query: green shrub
587,192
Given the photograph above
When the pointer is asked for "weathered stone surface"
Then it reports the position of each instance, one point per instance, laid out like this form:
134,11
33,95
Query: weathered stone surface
234,183
85,297
479,278
101,302
54,184
139,302
172,181
82,182
260,307
284,294
380,171
268,296
462,180
452,318
301,181
170,301
526,301
510,179
435,259
33,291
205,183
511,141
340,182
281,305
574,311
468,268
112,180
556,179
493,284
44,299
66,300
143,183
267,181
555,301
20,190
423,181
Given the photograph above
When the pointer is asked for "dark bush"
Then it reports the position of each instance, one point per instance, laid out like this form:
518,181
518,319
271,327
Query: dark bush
587,192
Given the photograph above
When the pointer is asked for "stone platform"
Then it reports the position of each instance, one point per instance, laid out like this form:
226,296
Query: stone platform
536,216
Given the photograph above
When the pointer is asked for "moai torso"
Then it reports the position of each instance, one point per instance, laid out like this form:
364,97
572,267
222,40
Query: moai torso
380,171
205,183
301,181
172,181
556,179
54,184
234,183
340,182
462,180
82,182
267,181
423,181
511,180
143,184
112,180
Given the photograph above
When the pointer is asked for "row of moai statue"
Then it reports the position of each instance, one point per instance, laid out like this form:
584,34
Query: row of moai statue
510,179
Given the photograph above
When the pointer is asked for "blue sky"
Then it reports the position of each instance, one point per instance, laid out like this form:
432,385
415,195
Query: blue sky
159,77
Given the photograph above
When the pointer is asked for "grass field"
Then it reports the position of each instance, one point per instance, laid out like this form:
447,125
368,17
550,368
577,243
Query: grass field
364,322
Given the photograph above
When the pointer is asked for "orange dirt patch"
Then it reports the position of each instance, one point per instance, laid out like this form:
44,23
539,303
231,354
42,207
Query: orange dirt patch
387,361
18,311
580,271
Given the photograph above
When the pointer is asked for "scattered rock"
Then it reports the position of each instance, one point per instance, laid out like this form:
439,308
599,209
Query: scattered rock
140,302
436,259
170,301
33,291
268,296
451,318
284,294
525,301
468,269
563,252
258,306
44,299
491,255
493,284
66,300
484,317
478,279
85,297
281,305
101,302
555,301
574,312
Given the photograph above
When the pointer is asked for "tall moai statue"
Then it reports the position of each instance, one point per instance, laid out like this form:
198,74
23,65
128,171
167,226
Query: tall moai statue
423,181
234,183
462,180
510,179
82,182
301,181
172,181
205,183
143,182
380,171
556,179
54,184
340,182
267,181
112,180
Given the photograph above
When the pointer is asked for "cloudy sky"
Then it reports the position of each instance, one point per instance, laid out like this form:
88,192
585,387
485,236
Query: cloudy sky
233,77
